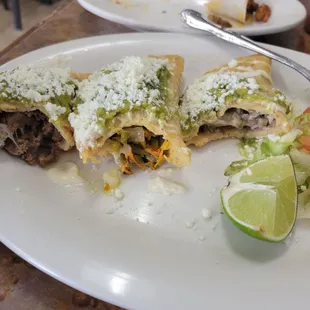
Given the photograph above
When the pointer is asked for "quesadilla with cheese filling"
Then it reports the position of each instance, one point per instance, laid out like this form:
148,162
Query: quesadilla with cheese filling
129,109
34,108
235,100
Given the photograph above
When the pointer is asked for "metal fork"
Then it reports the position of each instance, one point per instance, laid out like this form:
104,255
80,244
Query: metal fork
195,20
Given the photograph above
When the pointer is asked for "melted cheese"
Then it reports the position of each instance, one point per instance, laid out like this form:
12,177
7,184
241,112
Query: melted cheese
165,186
65,174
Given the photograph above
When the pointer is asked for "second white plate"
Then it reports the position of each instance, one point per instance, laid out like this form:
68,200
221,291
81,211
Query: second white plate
164,15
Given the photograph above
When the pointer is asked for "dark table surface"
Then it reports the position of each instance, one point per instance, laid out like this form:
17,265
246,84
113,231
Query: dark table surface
23,287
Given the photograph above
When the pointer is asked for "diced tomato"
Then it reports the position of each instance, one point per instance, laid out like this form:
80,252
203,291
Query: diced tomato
304,149
307,110
305,140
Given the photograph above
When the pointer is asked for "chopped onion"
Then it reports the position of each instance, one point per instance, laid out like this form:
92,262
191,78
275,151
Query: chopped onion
136,134
126,150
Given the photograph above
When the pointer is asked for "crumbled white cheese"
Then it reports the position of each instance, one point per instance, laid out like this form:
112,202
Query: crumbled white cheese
165,186
206,213
54,110
165,172
233,63
123,84
303,188
201,97
273,138
190,223
279,97
35,83
65,173
250,151
118,194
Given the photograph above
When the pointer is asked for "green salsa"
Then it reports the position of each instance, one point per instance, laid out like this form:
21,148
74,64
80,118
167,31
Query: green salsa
161,111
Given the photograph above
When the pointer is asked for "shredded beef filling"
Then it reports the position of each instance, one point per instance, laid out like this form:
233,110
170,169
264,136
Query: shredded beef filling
252,7
239,118
31,137
220,21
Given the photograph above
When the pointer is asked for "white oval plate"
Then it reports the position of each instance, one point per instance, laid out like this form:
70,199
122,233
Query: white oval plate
143,255
163,15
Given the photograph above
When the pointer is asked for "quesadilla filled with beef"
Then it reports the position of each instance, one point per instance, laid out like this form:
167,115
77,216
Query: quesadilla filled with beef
235,100
129,109
34,108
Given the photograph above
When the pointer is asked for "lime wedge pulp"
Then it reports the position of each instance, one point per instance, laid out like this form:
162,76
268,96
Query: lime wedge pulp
261,200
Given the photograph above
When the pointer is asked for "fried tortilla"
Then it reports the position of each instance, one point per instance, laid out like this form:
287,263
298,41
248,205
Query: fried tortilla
235,100
230,13
34,108
129,109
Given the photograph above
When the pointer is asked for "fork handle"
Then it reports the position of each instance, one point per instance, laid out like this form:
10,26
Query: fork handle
195,20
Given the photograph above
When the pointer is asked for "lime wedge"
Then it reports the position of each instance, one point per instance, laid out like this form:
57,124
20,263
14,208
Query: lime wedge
261,200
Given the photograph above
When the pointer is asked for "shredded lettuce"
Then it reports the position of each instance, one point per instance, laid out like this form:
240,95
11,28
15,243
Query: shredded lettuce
302,122
253,149
304,204
274,146
301,161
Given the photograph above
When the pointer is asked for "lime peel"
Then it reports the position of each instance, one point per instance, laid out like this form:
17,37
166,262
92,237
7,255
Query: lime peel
261,203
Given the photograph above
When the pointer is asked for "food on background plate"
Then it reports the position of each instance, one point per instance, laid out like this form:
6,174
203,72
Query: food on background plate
237,13
235,100
34,107
129,109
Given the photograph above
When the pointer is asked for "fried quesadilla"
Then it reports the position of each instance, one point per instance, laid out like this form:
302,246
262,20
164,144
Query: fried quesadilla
34,107
237,13
235,100
128,110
